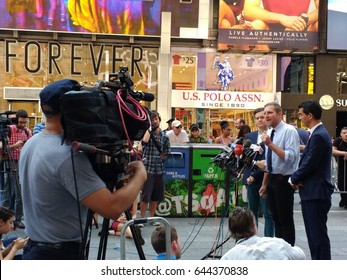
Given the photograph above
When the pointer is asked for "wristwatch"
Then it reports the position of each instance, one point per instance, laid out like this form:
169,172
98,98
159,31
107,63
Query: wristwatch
304,17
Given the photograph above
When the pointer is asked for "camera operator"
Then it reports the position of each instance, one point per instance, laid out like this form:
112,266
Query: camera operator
18,134
51,197
156,146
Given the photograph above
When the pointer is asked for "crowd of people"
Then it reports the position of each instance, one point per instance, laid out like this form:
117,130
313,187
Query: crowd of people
43,172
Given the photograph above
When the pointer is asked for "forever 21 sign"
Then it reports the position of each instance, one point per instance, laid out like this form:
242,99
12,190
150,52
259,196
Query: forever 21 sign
51,53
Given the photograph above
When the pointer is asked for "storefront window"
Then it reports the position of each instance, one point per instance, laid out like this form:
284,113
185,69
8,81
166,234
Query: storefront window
33,64
297,74
208,87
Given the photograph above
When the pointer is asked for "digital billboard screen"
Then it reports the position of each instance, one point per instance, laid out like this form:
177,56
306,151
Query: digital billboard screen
336,25
266,25
125,17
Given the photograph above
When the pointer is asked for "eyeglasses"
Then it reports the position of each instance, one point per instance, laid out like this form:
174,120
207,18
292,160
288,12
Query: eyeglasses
180,126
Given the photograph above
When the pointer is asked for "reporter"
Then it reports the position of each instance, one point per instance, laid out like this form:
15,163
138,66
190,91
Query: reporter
49,194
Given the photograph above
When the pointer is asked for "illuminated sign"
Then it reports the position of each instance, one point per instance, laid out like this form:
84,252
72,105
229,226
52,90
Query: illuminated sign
327,102
336,25
220,99
34,64
247,25
126,17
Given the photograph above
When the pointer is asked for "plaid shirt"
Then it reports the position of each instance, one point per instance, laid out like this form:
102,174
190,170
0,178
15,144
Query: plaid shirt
151,156
16,135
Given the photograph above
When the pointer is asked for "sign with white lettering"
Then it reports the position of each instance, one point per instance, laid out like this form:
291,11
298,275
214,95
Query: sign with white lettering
274,25
220,99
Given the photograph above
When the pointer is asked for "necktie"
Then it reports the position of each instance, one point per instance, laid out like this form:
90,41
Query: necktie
269,153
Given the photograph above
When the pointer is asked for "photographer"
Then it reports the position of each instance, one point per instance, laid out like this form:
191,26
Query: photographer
50,196
249,246
18,134
156,146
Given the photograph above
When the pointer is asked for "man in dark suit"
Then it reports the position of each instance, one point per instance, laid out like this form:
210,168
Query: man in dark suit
253,178
313,180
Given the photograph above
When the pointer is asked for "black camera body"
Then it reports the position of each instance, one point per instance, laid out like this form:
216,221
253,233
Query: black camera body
6,121
104,114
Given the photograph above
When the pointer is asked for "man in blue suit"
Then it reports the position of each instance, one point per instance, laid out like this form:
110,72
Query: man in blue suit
253,178
313,180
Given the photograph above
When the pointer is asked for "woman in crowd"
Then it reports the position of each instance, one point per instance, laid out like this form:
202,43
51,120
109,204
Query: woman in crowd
225,137
244,130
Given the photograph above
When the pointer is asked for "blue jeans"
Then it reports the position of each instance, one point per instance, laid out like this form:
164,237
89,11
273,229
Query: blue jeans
11,194
254,202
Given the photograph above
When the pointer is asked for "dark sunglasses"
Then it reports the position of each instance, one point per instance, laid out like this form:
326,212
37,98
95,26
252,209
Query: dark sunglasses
180,126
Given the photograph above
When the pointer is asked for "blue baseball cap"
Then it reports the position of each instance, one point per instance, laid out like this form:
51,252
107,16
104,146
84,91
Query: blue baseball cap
51,94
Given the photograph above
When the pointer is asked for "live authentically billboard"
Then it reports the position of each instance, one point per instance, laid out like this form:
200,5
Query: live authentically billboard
268,25
221,99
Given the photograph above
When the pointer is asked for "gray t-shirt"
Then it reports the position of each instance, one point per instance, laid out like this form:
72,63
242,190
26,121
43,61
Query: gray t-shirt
48,188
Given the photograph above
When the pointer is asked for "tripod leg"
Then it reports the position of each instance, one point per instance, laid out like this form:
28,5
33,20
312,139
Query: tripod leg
86,236
135,237
103,239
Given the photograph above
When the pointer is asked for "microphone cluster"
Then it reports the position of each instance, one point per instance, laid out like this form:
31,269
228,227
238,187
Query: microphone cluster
238,156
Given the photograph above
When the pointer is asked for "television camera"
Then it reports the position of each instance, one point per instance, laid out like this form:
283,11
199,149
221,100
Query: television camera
103,121
6,121
108,112
238,156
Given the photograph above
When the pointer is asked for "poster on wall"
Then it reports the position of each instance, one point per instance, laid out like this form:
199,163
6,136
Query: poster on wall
238,72
268,25
336,25
126,17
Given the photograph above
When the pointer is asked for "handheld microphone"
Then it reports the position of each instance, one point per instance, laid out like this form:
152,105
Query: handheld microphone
90,149
238,151
247,144
257,148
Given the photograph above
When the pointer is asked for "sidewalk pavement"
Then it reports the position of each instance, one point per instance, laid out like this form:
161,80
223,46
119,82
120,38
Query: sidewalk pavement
200,236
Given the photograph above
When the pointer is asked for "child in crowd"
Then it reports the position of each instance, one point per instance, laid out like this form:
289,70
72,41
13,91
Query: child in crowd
117,225
6,225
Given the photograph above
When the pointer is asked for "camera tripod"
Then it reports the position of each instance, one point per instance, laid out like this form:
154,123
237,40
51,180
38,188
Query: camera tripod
108,167
8,165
